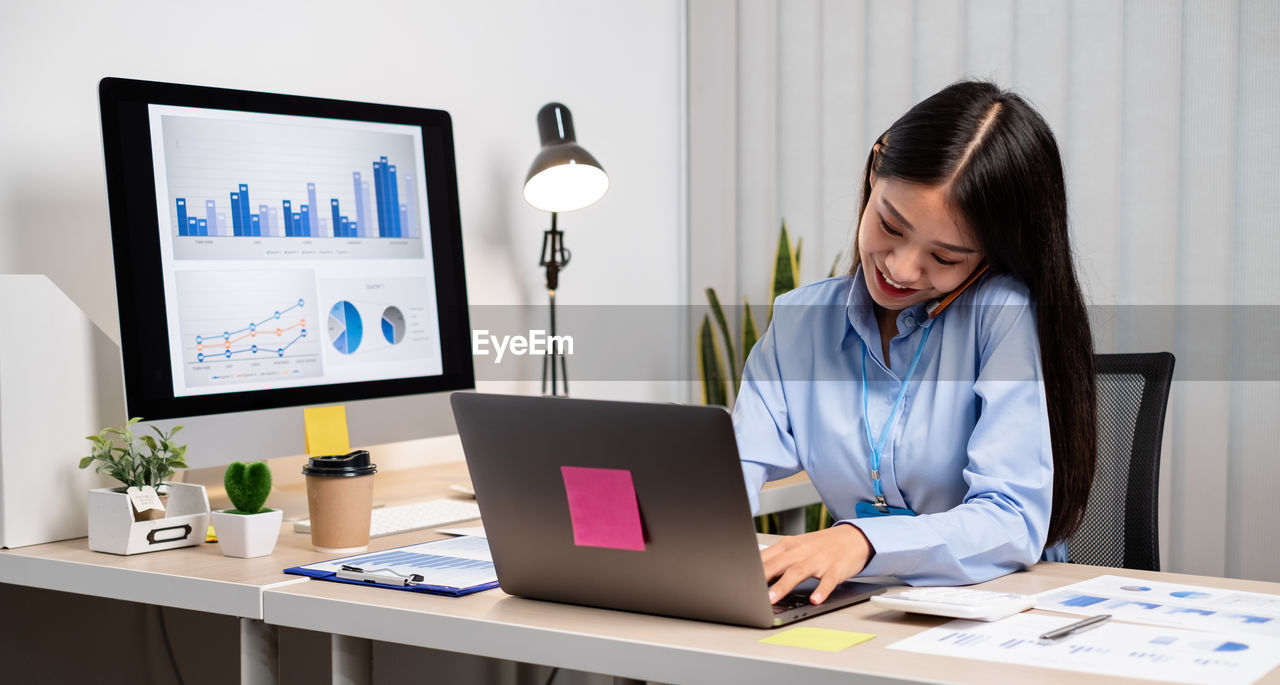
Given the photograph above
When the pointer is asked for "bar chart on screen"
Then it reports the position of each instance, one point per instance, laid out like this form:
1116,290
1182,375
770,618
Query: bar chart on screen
262,187
307,221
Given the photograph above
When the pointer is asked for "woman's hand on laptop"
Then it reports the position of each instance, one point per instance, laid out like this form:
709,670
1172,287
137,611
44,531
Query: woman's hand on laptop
832,556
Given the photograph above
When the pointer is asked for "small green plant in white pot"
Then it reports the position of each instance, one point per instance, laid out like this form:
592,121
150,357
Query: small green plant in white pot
249,529
143,463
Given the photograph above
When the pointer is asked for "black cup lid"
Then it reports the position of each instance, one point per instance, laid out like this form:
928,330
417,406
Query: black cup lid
339,465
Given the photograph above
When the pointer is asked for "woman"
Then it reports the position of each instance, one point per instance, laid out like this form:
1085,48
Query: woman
941,395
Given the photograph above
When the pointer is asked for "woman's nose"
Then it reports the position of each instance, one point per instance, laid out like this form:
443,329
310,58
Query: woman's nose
904,266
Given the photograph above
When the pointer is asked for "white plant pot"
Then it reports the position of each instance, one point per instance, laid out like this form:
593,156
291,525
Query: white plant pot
247,535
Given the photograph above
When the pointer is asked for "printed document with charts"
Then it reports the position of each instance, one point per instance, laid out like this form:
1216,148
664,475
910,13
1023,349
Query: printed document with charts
453,566
1177,633
1168,604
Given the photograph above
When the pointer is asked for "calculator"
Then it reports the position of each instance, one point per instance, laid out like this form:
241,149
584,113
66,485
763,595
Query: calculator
975,605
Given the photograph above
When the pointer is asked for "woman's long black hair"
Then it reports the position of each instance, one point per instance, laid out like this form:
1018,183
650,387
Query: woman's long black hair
998,162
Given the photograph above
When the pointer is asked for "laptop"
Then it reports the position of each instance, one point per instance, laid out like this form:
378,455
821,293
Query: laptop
692,553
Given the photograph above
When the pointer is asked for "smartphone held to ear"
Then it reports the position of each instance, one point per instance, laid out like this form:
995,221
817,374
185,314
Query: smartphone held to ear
937,306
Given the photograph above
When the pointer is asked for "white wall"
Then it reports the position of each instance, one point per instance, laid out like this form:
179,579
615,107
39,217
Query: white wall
491,64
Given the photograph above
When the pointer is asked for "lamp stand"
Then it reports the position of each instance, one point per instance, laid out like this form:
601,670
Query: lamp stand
554,258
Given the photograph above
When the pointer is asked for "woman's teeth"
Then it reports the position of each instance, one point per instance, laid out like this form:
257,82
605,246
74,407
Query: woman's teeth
891,282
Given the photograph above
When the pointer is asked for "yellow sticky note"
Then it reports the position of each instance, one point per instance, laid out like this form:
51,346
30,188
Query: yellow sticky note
824,639
326,430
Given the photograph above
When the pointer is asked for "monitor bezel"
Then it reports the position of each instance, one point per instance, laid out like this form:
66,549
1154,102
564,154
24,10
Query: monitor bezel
135,238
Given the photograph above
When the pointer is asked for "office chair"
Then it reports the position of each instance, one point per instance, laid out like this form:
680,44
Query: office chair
1120,527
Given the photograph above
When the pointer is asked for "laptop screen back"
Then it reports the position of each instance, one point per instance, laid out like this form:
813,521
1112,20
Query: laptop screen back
564,534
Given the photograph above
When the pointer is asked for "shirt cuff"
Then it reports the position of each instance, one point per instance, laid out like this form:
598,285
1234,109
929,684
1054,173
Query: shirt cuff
896,542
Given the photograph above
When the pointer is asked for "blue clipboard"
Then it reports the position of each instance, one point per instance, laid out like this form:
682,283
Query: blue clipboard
453,567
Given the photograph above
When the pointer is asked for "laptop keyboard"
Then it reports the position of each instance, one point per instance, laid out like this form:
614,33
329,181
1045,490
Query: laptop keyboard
791,601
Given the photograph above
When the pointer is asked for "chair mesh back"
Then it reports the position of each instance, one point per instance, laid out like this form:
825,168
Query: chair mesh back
1120,526
1100,539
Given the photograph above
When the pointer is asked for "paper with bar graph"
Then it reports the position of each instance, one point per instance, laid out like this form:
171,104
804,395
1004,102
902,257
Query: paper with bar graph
1116,649
1170,604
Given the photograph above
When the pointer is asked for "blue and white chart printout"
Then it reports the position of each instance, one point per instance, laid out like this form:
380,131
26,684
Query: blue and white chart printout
459,563
1168,604
1117,649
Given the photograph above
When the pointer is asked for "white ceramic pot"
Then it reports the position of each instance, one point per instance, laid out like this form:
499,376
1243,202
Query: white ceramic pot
247,535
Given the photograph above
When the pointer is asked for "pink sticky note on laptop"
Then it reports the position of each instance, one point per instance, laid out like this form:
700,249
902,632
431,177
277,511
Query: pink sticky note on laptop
603,508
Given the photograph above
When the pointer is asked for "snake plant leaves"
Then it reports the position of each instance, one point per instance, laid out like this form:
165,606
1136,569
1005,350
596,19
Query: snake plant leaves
718,312
749,334
785,268
786,271
710,368
795,259
834,263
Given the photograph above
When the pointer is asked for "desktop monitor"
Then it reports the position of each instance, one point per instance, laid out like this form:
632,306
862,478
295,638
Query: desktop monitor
274,251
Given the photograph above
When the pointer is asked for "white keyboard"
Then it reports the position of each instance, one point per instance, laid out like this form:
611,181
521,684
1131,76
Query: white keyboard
976,605
403,518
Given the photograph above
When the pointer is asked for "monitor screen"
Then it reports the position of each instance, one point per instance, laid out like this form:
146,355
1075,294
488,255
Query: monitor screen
277,251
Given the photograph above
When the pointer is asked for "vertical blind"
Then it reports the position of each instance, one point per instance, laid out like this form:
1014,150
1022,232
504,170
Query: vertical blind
1167,116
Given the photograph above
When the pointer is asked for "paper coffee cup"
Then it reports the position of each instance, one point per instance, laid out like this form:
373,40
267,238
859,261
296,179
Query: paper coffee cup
340,501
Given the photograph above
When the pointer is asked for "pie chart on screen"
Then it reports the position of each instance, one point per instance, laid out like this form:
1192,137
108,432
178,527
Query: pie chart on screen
345,329
393,325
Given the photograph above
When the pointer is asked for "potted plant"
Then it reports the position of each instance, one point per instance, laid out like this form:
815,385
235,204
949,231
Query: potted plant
149,513
717,389
143,463
249,529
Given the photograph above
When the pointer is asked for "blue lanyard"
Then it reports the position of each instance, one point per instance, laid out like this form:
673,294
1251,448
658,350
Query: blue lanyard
878,445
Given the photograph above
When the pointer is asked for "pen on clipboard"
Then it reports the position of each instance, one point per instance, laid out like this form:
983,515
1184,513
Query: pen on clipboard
382,576
1077,627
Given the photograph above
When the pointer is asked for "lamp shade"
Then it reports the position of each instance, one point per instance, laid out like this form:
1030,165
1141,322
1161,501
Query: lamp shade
564,176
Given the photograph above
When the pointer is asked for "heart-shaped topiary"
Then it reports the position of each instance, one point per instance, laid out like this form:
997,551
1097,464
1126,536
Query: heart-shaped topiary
248,486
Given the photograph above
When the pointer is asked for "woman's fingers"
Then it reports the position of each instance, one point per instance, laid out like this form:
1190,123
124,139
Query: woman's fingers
786,583
775,558
827,583
830,555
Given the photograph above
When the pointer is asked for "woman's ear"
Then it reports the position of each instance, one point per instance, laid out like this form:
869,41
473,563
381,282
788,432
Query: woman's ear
875,162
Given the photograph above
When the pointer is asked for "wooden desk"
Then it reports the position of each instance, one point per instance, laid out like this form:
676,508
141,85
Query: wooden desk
202,579
197,578
668,650
494,624
497,625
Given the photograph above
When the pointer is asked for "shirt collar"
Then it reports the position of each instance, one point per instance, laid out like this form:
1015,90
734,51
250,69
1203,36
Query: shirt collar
860,314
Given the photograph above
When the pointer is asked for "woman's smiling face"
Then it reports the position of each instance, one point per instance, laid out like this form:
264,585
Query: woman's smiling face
914,246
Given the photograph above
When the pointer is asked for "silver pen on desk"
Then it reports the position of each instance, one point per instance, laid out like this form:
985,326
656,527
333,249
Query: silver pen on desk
1077,627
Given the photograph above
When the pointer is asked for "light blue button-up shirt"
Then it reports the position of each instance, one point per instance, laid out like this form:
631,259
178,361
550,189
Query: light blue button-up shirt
969,451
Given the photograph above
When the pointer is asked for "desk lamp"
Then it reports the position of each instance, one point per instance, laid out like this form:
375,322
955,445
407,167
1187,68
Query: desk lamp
563,177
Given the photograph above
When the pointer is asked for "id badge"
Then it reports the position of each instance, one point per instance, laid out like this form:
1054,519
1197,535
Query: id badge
869,510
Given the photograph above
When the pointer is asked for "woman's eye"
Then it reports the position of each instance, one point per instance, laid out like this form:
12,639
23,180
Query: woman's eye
945,262
888,229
